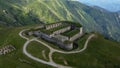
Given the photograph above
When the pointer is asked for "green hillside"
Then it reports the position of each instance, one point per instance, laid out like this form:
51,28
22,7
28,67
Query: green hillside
101,53
16,15
16,58
26,12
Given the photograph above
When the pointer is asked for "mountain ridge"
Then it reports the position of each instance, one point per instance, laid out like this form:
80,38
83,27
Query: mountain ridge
18,13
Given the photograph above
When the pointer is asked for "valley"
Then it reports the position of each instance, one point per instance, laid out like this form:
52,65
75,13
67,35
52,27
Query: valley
28,12
93,51
58,34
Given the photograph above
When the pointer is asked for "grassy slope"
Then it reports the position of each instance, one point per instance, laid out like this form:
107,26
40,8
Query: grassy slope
27,12
82,40
36,49
24,12
12,60
101,53
12,13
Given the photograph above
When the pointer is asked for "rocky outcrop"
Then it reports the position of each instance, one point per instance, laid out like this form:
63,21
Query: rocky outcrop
7,49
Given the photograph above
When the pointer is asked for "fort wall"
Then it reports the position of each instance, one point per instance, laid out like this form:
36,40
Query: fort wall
52,26
77,35
62,30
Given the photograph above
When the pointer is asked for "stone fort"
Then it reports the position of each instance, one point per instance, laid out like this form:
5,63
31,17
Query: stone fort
62,33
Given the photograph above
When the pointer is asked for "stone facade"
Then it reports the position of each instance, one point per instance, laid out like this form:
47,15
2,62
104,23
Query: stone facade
30,33
56,36
76,36
62,30
56,39
81,30
66,46
52,26
61,38
58,42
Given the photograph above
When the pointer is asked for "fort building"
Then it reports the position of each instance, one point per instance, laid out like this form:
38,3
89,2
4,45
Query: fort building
63,33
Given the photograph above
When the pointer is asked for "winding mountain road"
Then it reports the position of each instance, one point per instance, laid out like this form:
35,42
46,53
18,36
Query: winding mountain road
52,50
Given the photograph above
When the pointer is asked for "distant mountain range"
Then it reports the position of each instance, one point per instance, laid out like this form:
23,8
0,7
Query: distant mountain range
27,12
112,6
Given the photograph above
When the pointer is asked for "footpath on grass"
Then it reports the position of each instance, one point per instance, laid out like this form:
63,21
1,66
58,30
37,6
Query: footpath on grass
52,50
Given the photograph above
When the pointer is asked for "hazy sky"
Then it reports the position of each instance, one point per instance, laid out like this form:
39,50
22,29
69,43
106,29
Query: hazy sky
112,5
101,1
